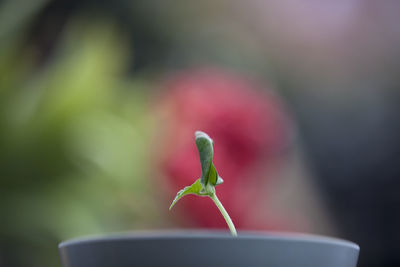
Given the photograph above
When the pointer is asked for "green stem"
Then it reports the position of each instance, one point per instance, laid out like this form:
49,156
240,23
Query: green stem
221,208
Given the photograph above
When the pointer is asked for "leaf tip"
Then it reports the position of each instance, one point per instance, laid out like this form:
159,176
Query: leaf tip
201,134
219,180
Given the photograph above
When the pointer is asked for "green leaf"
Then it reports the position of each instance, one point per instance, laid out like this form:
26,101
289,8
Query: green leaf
212,175
196,188
206,152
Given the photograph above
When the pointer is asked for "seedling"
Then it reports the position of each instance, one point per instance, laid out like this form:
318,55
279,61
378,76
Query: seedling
205,185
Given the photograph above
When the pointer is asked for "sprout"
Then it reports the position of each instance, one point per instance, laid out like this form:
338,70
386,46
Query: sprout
205,185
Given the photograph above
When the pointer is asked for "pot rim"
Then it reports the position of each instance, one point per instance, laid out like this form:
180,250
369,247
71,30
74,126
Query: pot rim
210,234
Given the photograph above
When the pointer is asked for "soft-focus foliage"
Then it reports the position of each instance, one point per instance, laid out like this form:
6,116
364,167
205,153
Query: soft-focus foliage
73,146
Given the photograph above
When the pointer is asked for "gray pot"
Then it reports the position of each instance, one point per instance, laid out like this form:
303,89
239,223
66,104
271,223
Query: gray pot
250,249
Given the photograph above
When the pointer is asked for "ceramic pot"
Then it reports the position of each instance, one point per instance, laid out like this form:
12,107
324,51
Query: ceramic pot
196,248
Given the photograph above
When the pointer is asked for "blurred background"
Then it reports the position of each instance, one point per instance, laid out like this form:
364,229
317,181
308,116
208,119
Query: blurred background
99,101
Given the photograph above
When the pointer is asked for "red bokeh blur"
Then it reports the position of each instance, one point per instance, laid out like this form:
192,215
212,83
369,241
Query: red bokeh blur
250,132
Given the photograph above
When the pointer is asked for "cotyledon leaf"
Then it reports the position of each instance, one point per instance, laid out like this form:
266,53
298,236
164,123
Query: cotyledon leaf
206,152
196,188
213,177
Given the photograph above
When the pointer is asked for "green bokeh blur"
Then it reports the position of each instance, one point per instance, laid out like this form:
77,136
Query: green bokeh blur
73,132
